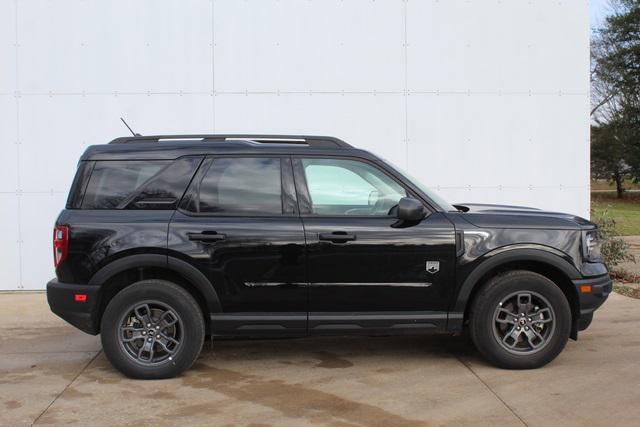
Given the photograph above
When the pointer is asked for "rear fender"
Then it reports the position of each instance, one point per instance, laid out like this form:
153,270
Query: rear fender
183,268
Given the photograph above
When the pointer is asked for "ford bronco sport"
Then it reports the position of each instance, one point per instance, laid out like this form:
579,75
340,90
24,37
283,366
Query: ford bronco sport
167,239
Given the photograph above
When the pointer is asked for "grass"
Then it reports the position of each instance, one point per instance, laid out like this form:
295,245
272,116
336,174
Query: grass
624,277
603,185
626,211
626,283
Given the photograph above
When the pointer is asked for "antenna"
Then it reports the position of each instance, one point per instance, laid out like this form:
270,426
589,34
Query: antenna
129,127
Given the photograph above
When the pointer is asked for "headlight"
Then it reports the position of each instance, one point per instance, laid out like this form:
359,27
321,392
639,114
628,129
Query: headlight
591,246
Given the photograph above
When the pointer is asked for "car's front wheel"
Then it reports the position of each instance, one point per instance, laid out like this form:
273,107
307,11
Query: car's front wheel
152,329
520,320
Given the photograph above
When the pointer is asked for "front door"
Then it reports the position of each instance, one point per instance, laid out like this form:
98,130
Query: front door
366,271
238,223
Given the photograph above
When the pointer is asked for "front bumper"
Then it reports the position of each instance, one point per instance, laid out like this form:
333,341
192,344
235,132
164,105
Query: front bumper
592,293
81,314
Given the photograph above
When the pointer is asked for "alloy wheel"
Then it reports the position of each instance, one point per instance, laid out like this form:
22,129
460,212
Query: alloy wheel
524,322
150,332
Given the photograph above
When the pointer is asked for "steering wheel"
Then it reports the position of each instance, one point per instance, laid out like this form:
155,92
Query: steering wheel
378,205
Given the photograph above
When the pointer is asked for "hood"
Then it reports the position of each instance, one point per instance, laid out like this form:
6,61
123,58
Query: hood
508,216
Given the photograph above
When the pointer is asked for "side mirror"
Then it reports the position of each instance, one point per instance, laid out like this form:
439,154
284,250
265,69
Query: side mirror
410,209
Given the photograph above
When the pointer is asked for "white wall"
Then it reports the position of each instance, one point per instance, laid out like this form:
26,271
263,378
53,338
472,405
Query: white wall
485,100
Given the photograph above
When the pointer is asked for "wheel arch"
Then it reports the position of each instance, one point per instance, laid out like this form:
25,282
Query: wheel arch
541,261
125,271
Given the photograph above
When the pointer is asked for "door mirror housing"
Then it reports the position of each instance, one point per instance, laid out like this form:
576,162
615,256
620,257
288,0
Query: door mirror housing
410,209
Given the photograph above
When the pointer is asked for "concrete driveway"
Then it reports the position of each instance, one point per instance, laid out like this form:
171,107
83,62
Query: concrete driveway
50,373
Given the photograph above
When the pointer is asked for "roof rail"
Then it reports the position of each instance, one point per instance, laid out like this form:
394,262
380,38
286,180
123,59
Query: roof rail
311,141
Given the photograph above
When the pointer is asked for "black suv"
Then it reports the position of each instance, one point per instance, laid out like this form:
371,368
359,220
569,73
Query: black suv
167,239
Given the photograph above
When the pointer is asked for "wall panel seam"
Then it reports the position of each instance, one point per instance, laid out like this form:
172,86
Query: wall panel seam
295,92
213,68
18,143
406,87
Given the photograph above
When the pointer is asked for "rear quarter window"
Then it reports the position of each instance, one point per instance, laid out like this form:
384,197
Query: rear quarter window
165,189
113,181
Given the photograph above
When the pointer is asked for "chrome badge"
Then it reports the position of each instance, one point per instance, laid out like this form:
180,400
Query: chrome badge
433,267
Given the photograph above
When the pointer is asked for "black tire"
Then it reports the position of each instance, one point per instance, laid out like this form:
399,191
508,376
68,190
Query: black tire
152,297
494,338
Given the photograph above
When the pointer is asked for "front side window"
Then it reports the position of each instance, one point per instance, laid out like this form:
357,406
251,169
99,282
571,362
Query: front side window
350,187
239,185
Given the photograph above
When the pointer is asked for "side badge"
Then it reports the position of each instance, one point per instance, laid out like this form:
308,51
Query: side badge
433,267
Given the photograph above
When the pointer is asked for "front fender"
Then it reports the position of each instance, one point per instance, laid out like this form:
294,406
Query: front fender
508,254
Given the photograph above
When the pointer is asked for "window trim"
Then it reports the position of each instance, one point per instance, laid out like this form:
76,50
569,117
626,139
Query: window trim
79,184
290,199
287,198
304,197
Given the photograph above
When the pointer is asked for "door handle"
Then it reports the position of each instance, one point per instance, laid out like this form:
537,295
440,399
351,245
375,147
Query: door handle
337,237
210,236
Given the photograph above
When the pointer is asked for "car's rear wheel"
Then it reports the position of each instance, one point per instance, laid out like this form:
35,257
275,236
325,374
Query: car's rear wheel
152,329
520,320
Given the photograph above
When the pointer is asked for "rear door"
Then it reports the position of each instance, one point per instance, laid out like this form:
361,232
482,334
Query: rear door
238,223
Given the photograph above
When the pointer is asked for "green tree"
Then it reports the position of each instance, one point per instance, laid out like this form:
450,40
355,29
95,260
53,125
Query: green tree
609,155
615,91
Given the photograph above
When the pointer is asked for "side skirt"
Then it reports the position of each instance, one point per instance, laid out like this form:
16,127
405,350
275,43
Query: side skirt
327,323
259,324
376,323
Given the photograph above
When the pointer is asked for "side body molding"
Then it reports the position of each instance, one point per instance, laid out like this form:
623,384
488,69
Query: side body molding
544,255
186,270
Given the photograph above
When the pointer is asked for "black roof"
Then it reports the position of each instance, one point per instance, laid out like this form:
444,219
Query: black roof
174,146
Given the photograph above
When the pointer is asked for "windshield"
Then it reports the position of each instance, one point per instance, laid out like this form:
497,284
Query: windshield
435,197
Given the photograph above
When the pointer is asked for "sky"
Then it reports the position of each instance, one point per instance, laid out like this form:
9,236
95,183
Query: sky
597,11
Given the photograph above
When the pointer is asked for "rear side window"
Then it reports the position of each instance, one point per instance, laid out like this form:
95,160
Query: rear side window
237,186
164,189
113,181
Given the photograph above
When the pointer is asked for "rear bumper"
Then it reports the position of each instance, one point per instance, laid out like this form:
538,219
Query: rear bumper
601,287
81,314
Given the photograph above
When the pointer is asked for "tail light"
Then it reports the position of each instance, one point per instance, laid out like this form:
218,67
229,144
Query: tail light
60,244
